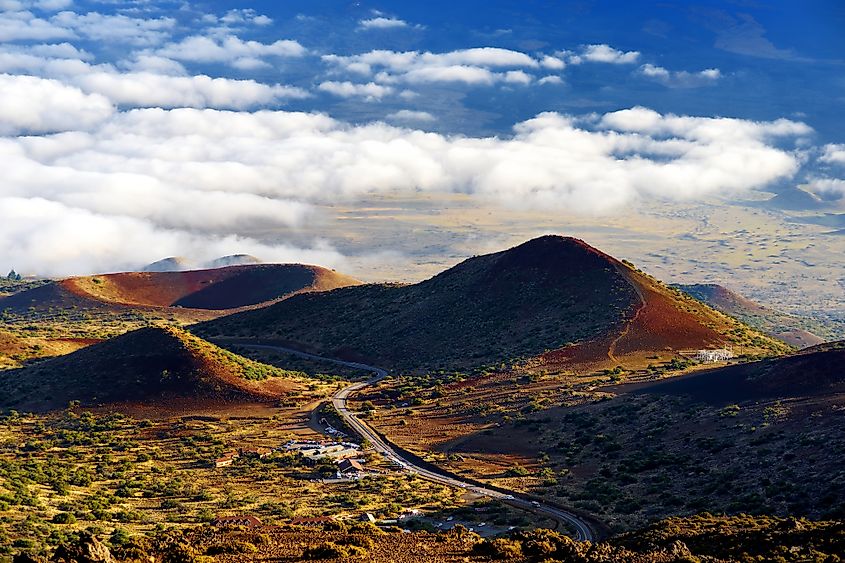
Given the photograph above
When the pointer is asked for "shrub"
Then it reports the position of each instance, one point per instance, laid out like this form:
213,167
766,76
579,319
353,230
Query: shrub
331,550
64,518
231,547
516,471
499,548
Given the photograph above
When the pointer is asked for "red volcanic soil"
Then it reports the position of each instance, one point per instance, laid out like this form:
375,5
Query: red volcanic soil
663,323
222,288
663,320
217,289
806,374
148,365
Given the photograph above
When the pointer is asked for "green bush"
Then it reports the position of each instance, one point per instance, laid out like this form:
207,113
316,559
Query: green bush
332,550
231,547
64,518
499,548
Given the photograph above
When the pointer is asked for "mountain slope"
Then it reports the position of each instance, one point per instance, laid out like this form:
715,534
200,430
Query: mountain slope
813,372
546,294
212,290
795,331
144,366
759,438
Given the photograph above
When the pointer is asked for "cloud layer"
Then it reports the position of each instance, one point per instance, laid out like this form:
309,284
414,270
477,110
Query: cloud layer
176,177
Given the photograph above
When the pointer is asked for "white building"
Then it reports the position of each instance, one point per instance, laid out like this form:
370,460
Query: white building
711,356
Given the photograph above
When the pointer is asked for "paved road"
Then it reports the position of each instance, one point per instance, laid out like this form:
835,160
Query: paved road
583,531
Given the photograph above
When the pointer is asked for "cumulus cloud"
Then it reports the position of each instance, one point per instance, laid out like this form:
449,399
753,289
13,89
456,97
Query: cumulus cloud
155,64
833,154
382,22
552,63
409,115
146,89
21,25
831,189
116,28
230,50
603,53
481,65
452,73
369,91
243,16
60,51
153,82
31,105
518,77
550,79
682,78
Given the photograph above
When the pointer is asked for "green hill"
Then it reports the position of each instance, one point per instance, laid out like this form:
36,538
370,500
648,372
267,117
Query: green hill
147,365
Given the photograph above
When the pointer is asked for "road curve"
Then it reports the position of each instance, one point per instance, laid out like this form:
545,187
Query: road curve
583,530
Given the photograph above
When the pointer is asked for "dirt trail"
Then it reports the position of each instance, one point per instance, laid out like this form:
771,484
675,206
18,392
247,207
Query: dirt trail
611,350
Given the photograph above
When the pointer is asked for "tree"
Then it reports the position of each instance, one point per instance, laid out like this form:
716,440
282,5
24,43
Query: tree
13,275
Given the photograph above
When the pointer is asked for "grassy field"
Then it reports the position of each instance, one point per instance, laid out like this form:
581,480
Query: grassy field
75,470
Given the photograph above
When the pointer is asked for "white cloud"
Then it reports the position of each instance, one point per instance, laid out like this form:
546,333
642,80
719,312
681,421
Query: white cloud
48,238
37,105
603,53
382,23
518,77
369,91
827,188
154,64
681,79
165,174
550,79
153,82
833,154
116,28
453,73
16,26
408,115
468,66
59,51
244,16
147,89
552,63
230,49
481,56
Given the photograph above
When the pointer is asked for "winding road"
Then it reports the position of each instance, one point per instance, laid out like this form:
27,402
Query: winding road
583,530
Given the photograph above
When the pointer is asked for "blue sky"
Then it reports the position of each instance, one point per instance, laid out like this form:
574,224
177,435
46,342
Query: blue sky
136,130
777,59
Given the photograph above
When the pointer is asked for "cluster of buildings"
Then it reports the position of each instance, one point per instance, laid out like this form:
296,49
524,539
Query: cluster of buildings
314,451
716,355
346,455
